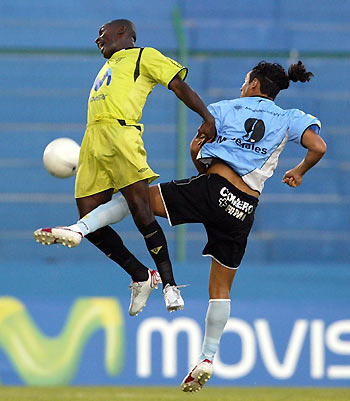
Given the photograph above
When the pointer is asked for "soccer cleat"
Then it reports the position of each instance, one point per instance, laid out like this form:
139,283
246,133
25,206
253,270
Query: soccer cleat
198,376
58,235
172,297
141,290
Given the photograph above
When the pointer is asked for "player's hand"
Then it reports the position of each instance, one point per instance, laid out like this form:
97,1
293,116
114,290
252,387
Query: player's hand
197,142
200,139
292,178
207,131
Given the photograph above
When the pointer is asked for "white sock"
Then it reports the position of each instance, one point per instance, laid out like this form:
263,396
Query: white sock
218,314
109,213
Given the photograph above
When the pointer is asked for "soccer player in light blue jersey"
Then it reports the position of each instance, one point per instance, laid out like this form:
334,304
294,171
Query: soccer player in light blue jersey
251,134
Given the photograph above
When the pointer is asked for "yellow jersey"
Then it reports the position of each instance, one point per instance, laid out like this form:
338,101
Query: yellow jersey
123,84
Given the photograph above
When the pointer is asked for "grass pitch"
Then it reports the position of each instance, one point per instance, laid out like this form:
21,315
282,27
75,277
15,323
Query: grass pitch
171,394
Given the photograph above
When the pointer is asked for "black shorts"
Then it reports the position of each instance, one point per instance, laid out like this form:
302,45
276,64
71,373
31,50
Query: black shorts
226,213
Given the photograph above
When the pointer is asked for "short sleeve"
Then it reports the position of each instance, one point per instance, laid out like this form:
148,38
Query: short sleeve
299,122
160,68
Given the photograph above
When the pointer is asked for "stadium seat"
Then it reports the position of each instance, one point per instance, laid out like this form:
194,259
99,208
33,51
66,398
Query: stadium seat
45,97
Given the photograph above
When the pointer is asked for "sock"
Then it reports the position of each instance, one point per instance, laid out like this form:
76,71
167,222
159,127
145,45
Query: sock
158,249
110,243
218,314
109,213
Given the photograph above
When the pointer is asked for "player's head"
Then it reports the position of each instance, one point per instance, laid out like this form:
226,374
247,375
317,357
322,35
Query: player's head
269,78
116,35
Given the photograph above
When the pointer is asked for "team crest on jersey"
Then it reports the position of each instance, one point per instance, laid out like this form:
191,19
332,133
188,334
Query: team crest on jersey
99,81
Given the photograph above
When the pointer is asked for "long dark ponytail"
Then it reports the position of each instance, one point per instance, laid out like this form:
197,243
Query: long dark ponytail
273,77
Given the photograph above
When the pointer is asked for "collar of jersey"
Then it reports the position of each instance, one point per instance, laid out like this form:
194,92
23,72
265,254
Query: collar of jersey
264,97
121,50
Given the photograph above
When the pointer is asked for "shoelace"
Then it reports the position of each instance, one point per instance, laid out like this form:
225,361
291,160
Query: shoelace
176,287
180,286
135,288
172,293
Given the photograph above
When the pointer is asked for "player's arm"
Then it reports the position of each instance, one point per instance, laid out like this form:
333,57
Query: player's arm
316,149
197,142
192,100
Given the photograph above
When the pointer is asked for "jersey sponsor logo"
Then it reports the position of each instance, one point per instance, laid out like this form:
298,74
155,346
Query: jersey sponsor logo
99,81
233,205
242,144
255,131
99,97
263,111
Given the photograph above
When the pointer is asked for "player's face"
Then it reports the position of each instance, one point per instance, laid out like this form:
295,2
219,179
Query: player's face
245,86
107,40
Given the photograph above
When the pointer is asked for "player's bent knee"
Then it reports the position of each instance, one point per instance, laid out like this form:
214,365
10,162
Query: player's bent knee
142,218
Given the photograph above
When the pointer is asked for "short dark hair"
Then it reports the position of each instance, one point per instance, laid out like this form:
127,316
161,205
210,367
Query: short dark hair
130,27
273,77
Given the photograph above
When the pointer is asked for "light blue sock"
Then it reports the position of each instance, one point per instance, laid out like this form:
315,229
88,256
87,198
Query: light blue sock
109,213
218,314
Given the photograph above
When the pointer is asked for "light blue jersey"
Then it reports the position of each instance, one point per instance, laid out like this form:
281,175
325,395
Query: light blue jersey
251,134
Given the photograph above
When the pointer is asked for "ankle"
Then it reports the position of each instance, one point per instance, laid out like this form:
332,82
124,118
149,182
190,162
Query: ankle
80,227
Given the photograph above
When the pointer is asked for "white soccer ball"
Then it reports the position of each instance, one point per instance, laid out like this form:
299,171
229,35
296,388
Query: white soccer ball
61,157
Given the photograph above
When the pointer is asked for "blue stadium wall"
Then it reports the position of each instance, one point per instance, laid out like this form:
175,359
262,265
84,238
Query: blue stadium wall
289,323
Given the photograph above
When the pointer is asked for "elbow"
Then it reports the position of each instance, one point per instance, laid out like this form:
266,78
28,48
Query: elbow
319,147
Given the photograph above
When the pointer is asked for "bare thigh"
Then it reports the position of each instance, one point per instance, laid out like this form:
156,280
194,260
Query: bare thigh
88,203
157,202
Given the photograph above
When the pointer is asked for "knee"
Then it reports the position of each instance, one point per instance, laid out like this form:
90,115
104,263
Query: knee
136,204
141,213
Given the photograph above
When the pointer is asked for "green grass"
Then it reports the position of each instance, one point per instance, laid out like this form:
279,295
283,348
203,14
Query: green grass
171,394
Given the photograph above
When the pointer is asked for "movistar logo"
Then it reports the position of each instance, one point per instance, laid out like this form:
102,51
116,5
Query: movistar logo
99,82
43,360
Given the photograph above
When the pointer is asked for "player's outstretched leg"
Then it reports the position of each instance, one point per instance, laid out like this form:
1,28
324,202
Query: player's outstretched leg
58,235
108,213
198,376
141,290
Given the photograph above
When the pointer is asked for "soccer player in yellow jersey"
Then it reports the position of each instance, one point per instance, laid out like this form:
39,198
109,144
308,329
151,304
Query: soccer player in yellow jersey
113,158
